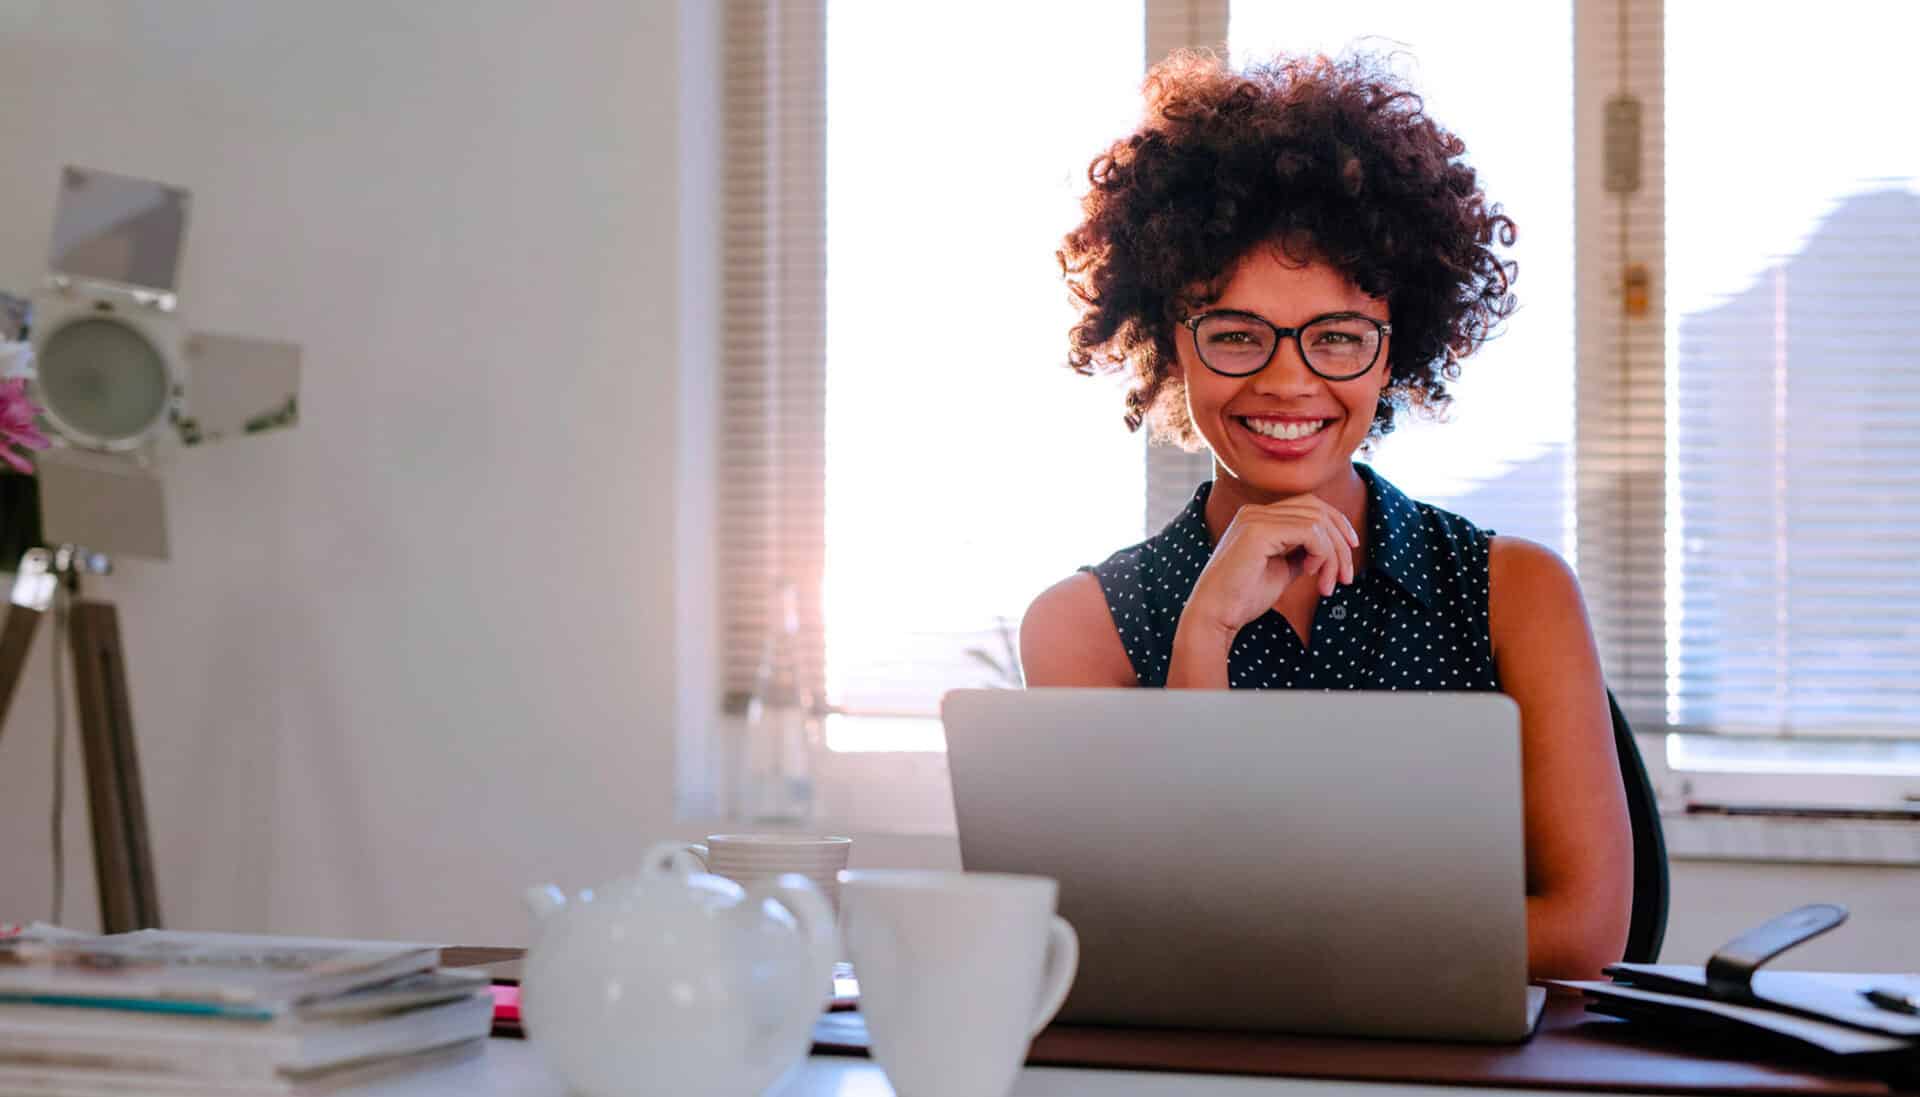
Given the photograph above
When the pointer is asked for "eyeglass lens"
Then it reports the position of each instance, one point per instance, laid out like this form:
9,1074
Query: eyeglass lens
1335,347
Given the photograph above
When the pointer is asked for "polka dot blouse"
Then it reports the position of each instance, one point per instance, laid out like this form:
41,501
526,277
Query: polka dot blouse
1414,618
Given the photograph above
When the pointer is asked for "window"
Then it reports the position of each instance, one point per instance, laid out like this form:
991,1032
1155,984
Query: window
1792,528
953,423
1733,477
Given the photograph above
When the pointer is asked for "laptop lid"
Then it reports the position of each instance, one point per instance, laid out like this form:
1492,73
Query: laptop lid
1347,862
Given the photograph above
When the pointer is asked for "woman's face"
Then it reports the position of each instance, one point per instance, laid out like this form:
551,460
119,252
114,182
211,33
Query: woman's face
1285,430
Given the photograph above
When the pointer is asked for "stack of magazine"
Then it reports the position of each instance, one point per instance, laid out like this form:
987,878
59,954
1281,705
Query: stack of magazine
225,1015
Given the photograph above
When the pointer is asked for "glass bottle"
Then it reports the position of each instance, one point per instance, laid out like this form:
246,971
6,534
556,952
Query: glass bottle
782,726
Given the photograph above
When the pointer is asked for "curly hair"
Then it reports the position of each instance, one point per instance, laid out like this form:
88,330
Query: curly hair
1328,158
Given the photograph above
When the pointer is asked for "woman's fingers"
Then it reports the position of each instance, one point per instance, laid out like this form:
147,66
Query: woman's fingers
1346,544
1315,528
1331,541
1344,538
1322,559
1340,528
1338,563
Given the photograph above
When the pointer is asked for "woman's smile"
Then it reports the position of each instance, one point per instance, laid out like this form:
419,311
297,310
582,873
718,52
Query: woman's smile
1285,437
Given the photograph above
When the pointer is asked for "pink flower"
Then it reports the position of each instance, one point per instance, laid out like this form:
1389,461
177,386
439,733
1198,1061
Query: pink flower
17,428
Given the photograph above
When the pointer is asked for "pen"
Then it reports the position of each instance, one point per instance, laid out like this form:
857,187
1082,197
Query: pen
1886,998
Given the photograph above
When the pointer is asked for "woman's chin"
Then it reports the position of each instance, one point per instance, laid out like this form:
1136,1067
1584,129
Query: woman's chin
1281,477
1279,480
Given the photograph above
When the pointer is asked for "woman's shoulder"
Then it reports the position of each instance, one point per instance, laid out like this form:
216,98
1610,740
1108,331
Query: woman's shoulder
1535,610
1068,638
1089,628
1523,570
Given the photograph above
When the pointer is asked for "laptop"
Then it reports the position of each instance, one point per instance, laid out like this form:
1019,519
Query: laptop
1348,863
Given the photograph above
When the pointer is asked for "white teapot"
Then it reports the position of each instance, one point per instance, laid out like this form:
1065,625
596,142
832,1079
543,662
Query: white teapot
673,981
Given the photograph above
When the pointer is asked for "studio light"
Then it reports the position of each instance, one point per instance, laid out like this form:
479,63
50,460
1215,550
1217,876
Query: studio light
122,382
121,378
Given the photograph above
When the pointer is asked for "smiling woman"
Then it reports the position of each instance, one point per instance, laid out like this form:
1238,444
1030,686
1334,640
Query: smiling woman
1283,260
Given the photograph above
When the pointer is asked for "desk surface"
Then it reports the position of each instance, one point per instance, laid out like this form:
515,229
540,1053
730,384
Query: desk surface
509,1068
1573,1051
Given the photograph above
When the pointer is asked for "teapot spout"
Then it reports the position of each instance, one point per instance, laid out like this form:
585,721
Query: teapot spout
545,899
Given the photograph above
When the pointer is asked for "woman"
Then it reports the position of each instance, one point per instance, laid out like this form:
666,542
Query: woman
1283,260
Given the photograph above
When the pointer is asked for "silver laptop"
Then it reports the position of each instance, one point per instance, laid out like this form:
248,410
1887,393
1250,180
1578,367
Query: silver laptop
1346,863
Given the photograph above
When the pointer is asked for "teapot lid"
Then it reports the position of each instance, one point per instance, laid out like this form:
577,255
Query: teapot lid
668,872
669,868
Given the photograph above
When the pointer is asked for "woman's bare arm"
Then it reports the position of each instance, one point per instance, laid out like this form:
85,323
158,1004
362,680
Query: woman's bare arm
1068,638
1579,841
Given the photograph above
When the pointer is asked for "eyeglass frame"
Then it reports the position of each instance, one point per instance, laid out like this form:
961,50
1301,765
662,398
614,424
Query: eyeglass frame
1192,324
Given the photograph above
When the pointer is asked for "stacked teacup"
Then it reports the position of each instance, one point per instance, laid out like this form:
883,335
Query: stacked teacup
747,859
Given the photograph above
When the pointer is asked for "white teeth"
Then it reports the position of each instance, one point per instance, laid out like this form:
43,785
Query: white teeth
1286,431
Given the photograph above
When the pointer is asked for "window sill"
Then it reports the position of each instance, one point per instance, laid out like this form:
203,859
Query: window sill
887,792
908,839
898,806
1791,840
859,791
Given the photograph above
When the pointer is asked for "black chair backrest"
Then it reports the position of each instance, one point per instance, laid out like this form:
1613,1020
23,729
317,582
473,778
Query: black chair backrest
1648,927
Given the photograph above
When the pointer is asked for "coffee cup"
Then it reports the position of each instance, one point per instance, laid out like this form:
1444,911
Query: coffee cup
747,859
958,972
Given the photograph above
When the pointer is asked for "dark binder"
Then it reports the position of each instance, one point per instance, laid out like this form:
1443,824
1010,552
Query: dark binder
1827,1015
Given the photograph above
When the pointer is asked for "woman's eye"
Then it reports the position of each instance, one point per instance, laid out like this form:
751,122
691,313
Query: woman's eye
1230,338
1335,338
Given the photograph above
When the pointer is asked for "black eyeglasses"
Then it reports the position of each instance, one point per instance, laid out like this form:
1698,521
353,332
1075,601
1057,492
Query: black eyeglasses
1338,346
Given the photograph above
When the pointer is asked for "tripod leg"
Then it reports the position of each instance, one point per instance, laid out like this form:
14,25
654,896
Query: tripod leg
16,640
123,864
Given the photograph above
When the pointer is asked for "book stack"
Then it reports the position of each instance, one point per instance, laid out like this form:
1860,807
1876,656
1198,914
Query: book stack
225,1015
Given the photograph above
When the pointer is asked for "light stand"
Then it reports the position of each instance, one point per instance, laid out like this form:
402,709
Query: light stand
122,858
114,372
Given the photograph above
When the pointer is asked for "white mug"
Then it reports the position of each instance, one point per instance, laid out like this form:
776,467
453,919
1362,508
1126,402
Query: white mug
958,972
747,859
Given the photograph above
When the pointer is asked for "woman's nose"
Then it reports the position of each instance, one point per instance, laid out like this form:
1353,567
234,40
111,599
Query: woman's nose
1286,371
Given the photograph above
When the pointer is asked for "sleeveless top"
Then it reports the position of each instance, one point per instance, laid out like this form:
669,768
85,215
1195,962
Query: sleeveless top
1415,616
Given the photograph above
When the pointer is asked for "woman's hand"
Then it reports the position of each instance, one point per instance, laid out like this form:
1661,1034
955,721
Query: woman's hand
1266,547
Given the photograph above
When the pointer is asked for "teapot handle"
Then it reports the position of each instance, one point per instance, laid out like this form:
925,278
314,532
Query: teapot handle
818,926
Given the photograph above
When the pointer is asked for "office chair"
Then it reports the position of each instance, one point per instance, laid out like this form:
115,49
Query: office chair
1648,927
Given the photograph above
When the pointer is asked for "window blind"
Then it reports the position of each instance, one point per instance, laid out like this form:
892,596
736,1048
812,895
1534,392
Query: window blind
841,395
1621,393
772,420
1792,226
1172,473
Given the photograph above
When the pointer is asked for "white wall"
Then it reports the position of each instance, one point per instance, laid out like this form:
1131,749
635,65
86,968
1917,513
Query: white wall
1713,901
422,650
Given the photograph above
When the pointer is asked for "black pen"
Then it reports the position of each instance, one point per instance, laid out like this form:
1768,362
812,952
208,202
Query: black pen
1892,999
